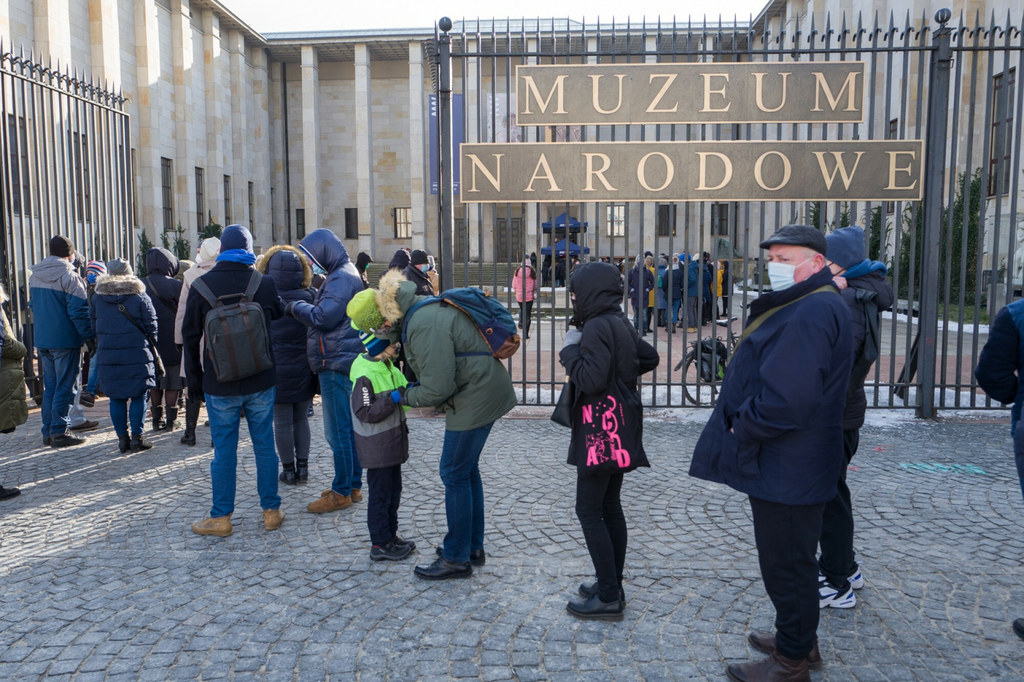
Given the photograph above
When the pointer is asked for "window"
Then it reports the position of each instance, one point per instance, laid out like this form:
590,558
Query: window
200,199
167,192
300,223
80,181
351,223
665,220
892,134
403,223
21,188
615,220
252,193
227,201
720,220
1002,132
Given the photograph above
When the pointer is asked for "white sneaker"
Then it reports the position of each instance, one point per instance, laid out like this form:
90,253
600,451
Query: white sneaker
857,579
830,596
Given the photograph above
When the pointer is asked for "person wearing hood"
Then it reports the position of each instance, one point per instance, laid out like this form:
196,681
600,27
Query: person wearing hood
416,272
227,400
400,261
602,353
60,314
118,309
363,261
208,251
864,288
165,291
331,346
296,382
524,284
474,390
776,435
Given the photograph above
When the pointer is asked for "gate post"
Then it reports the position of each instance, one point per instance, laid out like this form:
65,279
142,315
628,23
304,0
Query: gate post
935,153
446,185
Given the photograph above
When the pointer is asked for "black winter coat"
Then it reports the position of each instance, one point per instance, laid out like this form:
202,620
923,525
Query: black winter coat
292,275
226,277
163,290
420,279
874,287
125,364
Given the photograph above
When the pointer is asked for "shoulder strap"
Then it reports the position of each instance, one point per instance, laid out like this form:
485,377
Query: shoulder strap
199,285
752,327
254,284
136,324
413,309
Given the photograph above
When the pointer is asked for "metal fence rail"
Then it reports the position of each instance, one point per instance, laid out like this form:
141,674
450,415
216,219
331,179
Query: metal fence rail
953,258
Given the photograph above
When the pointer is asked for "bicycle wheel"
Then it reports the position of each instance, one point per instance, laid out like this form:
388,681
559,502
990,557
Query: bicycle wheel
700,383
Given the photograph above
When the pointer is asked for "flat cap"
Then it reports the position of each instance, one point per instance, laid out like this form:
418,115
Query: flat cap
798,235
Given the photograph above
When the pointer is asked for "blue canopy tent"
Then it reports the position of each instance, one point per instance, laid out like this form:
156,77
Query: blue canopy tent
574,249
562,222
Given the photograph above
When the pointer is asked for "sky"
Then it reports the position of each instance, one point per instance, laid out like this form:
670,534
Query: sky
271,16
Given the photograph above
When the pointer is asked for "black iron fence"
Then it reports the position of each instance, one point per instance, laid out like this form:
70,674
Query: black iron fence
953,257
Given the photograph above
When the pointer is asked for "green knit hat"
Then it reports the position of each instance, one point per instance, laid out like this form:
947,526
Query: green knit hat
363,312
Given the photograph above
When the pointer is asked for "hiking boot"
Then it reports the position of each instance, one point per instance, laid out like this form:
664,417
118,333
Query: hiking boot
87,399
775,668
87,425
836,597
273,518
219,526
357,495
124,443
139,443
389,551
66,439
400,542
302,471
765,643
328,502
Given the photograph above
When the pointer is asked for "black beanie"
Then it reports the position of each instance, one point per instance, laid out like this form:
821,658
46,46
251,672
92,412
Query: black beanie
418,257
61,246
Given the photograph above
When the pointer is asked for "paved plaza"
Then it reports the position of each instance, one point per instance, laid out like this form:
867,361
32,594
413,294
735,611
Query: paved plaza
102,578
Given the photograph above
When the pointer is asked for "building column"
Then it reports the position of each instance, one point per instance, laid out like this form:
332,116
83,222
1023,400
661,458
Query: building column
241,140
311,137
184,160
417,181
471,102
105,41
214,118
259,129
52,27
147,172
368,237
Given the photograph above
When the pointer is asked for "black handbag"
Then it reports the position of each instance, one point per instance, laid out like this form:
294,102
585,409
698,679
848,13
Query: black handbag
158,364
563,408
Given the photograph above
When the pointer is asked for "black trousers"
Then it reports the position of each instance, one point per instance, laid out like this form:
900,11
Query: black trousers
604,529
787,537
525,316
385,488
837,560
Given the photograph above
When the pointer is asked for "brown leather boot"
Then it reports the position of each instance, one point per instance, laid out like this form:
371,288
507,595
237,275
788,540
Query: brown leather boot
775,668
765,642
328,502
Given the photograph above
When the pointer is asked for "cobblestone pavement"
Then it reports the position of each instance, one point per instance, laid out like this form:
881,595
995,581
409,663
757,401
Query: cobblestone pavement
102,578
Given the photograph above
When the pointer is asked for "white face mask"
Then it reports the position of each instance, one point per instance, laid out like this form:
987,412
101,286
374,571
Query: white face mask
781,275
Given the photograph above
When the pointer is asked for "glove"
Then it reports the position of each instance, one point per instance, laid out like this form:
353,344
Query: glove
572,337
398,394
90,346
289,308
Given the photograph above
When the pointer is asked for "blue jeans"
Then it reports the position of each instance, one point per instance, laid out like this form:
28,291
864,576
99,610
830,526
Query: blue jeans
224,412
94,377
1018,453
61,367
463,491
121,415
335,388
675,311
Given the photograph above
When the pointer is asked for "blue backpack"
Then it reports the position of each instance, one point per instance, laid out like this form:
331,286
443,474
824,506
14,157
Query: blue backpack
492,319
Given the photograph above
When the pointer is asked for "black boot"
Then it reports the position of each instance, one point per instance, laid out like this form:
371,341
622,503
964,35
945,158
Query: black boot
158,417
287,475
301,470
170,424
139,443
191,418
124,443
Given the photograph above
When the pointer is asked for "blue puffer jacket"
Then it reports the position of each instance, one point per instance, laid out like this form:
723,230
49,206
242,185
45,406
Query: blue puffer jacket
125,363
331,342
60,311
291,274
161,286
1000,370
776,432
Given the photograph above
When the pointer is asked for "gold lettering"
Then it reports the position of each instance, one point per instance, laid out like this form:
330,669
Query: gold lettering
840,167
595,86
641,171
894,169
477,164
547,175
821,85
669,79
606,163
708,91
558,88
759,91
702,183
787,171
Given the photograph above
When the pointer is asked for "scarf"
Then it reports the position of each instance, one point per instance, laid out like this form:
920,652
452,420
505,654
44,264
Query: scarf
237,256
865,267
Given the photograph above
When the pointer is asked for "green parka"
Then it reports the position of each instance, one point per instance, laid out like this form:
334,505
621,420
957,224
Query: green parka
13,408
473,391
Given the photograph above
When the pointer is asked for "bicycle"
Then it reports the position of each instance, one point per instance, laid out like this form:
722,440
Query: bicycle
704,364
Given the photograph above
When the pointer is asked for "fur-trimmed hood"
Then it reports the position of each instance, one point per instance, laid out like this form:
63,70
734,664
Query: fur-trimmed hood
290,270
119,285
388,298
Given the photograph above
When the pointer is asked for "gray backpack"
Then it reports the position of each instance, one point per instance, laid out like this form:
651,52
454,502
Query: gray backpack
236,333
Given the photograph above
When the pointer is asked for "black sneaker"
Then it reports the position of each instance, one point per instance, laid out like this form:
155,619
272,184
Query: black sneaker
87,425
66,440
87,399
403,543
389,551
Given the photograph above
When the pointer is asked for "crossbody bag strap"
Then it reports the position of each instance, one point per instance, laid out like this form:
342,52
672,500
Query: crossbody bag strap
752,327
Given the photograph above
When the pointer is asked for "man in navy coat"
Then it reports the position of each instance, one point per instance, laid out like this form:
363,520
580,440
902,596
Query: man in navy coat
776,434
